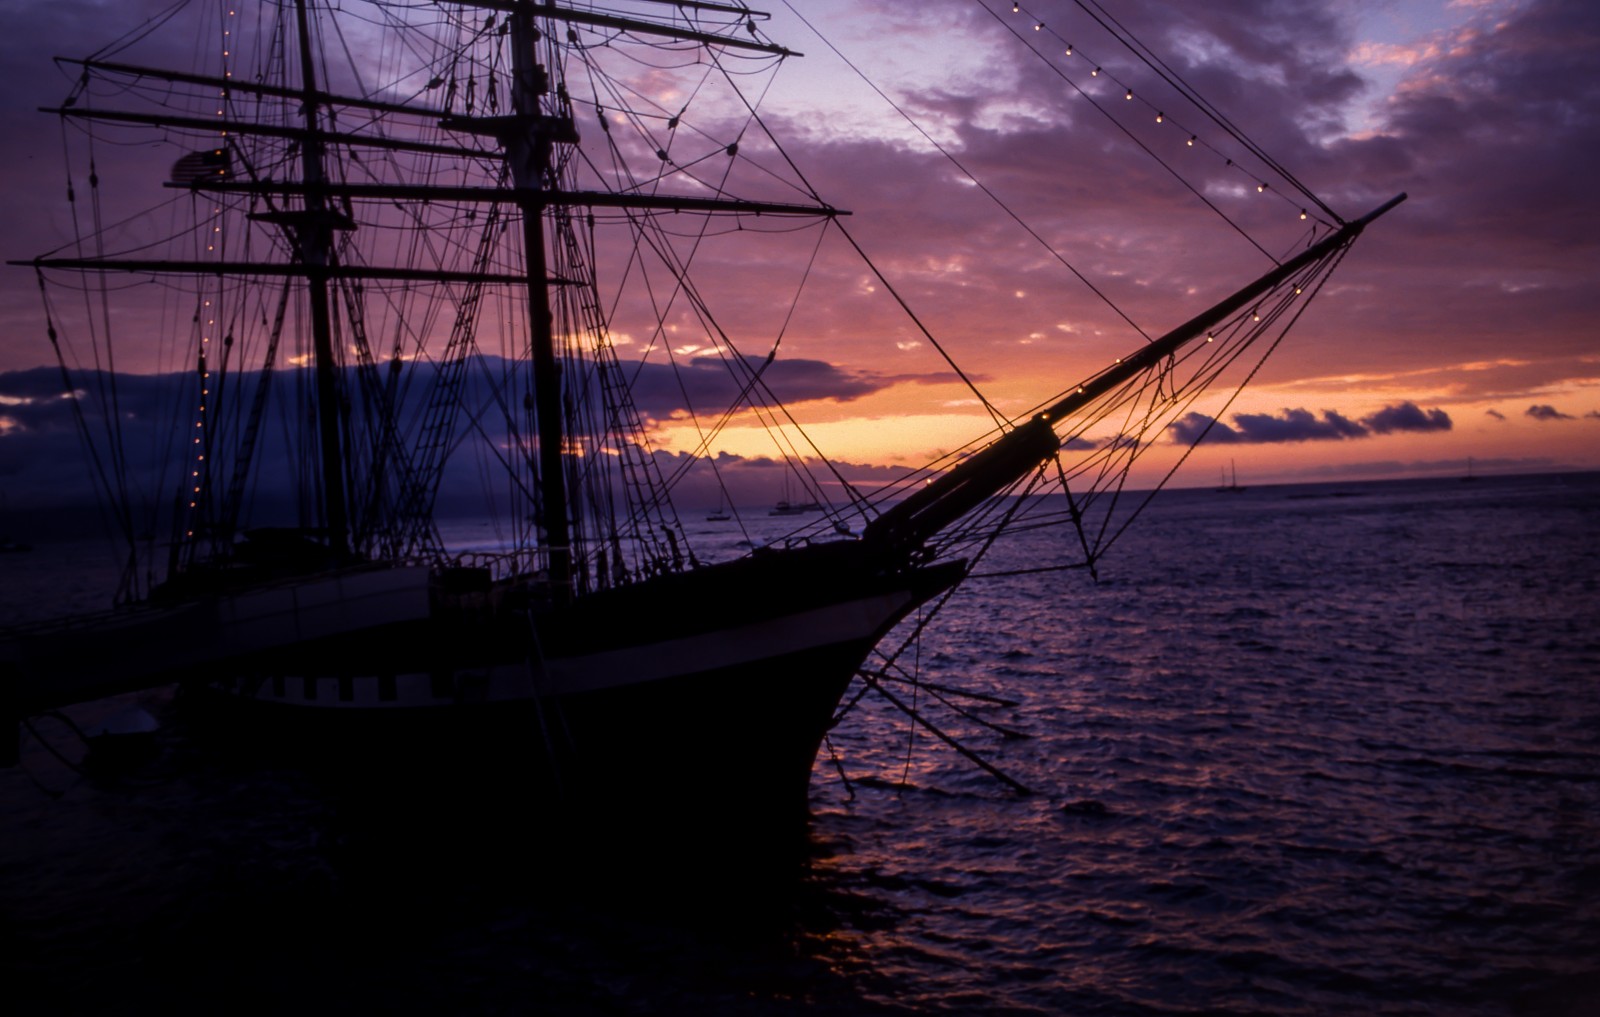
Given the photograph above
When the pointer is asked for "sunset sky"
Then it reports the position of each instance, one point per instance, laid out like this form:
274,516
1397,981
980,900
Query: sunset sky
1464,324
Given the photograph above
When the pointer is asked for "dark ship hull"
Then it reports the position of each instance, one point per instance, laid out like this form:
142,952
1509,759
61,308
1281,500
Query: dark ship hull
610,705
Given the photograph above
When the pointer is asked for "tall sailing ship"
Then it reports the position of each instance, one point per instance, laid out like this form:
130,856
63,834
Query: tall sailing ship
397,237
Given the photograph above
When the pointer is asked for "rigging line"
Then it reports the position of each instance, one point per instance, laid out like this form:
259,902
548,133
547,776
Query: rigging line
973,757
121,513
1119,125
620,167
636,117
619,408
1162,70
1077,519
106,382
949,690
77,243
755,117
995,415
754,378
970,176
916,690
641,478
638,463
1014,505
1331,263
137,33
777,408
938,692
726,418
1109,456
841,712
637,457
1131,450
932,612
680,274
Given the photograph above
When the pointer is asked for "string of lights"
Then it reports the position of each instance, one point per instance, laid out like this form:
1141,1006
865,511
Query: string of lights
206,313
1193,137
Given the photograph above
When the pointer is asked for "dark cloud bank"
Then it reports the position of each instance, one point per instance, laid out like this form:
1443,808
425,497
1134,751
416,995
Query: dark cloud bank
1303,425
44,464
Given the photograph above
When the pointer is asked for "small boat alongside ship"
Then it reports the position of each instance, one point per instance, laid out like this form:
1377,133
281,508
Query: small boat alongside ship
439,195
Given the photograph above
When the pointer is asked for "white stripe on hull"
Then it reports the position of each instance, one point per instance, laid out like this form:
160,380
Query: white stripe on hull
737,646
711,651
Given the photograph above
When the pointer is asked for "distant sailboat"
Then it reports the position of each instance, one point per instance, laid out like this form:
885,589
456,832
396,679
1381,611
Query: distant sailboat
1230,479
787,507
1469,477
720,514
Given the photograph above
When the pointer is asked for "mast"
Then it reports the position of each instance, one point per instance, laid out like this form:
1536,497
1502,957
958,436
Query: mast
312,231
529,136
528,139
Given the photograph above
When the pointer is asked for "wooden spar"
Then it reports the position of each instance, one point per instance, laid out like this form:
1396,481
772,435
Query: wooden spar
213,126
548,9
927,511
245,88
542,196
160,266
1192,329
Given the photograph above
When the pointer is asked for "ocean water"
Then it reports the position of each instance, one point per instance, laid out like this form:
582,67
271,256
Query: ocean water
1299,750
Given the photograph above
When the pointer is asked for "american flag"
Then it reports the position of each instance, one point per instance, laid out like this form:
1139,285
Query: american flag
212,164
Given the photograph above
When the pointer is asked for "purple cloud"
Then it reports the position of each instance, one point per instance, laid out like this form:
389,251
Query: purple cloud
1544,411
1407,416
1293,425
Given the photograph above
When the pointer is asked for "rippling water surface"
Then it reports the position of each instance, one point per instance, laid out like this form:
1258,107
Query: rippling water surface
1299,750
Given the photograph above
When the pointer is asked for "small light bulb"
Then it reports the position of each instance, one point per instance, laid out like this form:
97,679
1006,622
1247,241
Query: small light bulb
1015,8
1039,27
1260,188
1069,49
1160,117
1095,73
1129,95
1302,213
1191,141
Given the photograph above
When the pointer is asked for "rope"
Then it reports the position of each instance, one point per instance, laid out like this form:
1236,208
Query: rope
970,176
